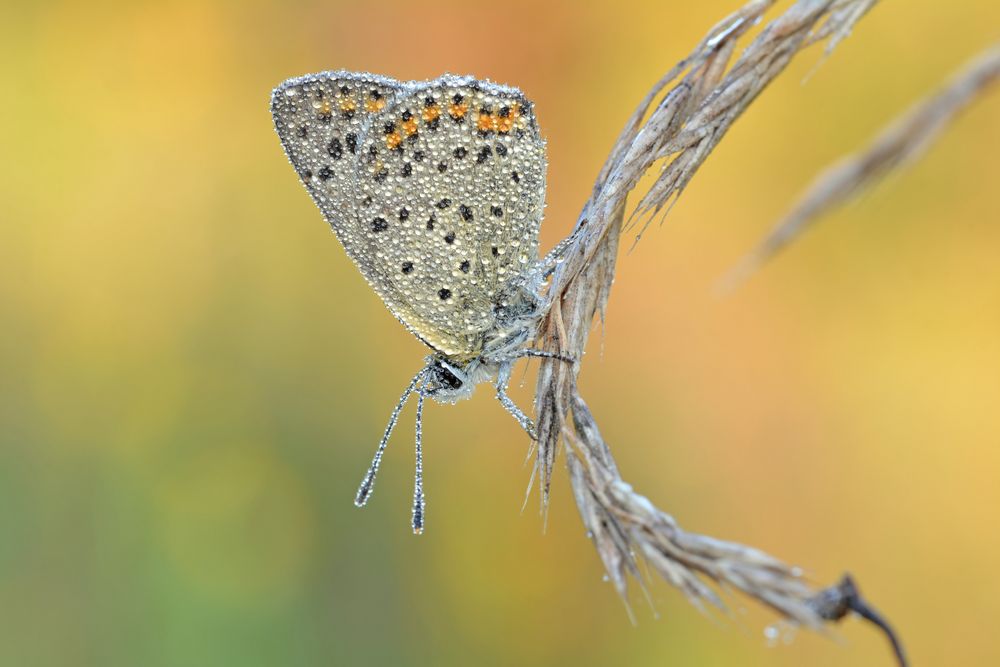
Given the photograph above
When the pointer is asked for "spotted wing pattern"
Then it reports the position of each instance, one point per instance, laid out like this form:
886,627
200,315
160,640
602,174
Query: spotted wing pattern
450,190
321,120
437,194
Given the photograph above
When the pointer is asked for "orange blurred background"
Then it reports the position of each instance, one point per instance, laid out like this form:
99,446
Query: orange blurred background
195,376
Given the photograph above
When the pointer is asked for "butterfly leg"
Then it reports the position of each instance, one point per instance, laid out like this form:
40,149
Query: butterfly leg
418,482
531,352
365,490
503,378
548,264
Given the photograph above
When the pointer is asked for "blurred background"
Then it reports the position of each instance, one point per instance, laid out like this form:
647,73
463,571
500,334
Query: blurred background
194,376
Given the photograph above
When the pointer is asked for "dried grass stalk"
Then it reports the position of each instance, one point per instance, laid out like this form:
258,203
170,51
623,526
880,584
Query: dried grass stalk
675,127
901,142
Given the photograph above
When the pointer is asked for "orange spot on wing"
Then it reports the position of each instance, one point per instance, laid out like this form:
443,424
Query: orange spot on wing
486,122
458,110
501,123
431,113
347,104
372,105
393,140
410,126
506,123
325,108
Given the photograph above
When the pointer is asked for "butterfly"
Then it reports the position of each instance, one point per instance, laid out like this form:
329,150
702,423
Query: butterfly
436,191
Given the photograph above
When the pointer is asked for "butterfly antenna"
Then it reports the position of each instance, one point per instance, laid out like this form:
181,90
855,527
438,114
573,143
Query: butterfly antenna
365,490
418,480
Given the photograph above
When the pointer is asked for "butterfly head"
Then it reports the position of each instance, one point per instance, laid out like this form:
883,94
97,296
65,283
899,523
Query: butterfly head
448,381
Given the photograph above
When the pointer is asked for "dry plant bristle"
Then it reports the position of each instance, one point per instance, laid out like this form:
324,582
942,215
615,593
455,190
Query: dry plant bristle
673,130
901,142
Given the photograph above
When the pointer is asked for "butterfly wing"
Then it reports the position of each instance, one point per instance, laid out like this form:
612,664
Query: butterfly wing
449,192
321,120
435,189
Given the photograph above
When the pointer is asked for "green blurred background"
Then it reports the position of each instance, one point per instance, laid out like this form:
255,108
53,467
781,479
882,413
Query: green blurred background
194,376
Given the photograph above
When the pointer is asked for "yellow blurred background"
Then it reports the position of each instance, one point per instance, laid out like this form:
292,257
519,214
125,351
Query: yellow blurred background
194,376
